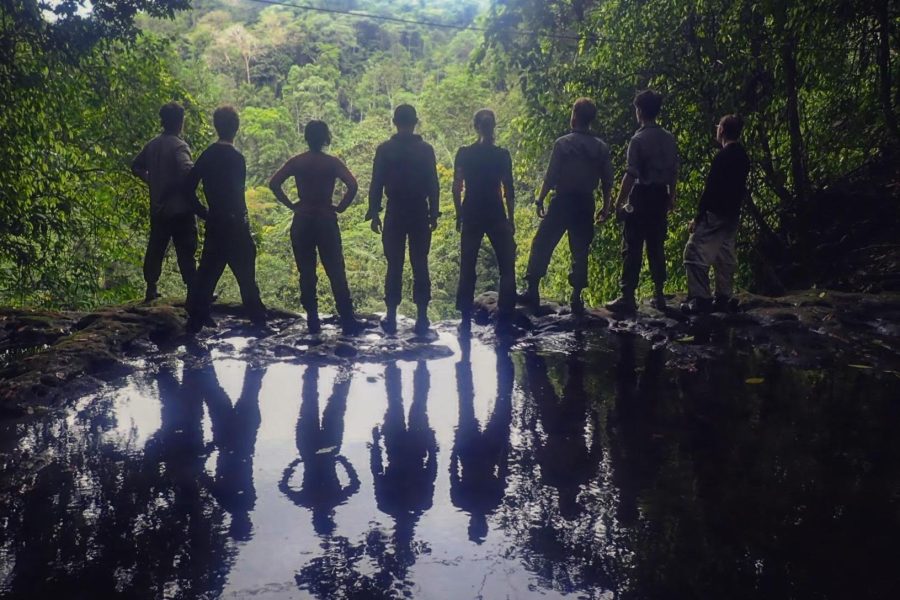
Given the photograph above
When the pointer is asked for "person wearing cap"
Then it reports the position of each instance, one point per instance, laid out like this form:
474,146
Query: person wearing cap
649,189
578,165
714,229
484,171
406,170
314,229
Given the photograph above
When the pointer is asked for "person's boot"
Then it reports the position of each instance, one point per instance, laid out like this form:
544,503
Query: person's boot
423,325
193,326
725,304
152,293
577,303
697,306
531,295
624,304
351,327
313,324
659,300
389,322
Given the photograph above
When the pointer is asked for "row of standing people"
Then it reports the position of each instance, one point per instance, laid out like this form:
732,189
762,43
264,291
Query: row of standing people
484,199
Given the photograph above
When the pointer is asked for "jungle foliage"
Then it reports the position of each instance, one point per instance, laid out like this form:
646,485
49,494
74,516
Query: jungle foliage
817,82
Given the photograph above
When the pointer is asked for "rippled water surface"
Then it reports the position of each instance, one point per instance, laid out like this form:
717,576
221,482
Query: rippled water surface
585,471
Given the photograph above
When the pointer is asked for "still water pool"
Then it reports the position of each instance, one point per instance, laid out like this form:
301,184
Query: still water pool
588,469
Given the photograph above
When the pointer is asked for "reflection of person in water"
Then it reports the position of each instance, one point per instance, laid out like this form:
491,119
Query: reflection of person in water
566,459
404,488
319,445
635,452
478,463
234,429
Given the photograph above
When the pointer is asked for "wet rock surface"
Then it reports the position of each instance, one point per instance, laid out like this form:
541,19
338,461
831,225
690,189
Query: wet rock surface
47,356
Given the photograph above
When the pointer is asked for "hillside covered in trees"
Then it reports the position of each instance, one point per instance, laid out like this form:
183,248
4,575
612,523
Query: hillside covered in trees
817,83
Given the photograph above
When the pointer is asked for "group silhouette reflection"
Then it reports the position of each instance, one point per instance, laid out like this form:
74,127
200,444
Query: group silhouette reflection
319,445
479,463
570,451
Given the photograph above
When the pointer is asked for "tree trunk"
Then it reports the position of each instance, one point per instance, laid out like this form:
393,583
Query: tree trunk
884,69
788,51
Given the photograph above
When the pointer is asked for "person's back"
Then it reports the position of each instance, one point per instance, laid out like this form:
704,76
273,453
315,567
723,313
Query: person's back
583,160
315,175
726,185
405,163
484,168
655,156
223,171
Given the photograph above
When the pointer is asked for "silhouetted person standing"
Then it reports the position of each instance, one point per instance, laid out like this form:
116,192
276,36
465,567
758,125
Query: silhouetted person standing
578,165
163,164
405,168
714,229
649,188
223,171
315,227
484,171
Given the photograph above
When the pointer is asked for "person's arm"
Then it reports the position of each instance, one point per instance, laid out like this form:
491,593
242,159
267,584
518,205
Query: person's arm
509,191
632,171
434,190
191,181
278,180
344,174
376,190
710,191
458,186
551,178
183,162
139,166
606,183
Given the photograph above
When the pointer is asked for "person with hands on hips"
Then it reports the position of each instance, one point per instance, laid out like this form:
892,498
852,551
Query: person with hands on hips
314,229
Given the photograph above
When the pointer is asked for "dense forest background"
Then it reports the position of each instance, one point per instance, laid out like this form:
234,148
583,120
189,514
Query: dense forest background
80,89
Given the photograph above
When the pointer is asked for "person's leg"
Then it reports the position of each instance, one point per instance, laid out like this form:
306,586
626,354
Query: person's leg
331,251
184,237
393,240
696,260
632,257
550,231
242,261
303,241
725,263
157,244
419,249
504,244
212,263
469,245
657,227
581,233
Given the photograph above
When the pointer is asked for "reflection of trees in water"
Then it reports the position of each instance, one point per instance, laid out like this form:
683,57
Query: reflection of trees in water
103,520
479,460
403,461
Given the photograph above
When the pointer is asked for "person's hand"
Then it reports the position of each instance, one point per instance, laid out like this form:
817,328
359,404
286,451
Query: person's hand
458,223
541,212
692,225
376,224
670,204
340,208
603,216
432,223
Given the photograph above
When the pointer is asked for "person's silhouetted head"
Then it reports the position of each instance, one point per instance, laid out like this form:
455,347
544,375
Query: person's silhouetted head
648,104
405,118
317,135
171,116
226,121
584,111
485,123
729,129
